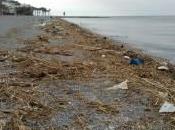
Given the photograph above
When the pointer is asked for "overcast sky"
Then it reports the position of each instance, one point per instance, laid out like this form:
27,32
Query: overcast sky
107,7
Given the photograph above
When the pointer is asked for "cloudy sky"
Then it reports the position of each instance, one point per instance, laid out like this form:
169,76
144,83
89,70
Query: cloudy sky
107,7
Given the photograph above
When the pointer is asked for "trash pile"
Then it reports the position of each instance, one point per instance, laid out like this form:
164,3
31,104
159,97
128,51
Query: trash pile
122,85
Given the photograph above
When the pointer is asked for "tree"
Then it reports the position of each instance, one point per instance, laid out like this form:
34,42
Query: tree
24,10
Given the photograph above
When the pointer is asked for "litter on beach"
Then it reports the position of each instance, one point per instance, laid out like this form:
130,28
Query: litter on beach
163,68
70,78
103,56
136,61
127,57
42,25
122,85
167,108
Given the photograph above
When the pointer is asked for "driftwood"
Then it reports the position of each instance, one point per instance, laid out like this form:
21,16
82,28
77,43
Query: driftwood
96,49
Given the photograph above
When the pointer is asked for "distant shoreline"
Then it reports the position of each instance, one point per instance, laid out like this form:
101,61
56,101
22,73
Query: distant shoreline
113,16
84,16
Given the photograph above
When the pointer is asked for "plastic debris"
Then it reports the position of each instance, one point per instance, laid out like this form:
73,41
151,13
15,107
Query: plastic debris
163,68
127,57
103,56
122,85
136,61
42,25
167,108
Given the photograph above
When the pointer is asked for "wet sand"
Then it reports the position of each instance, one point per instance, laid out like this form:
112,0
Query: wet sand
59,79
13,29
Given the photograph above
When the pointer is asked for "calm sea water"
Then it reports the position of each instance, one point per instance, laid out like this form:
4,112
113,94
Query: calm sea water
155,35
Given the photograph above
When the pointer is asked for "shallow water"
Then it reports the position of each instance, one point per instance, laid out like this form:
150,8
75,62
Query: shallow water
154,35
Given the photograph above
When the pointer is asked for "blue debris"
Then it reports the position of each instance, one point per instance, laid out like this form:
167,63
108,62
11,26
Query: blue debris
136,61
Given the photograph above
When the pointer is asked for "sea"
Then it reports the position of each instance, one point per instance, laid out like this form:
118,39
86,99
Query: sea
154,35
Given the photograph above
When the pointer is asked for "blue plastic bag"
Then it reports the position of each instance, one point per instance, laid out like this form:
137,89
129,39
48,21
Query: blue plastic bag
136,61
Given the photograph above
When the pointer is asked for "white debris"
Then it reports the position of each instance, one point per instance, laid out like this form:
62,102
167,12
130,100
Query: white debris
127,57
163,68
91,63
42,25
103,56
167,108
122,85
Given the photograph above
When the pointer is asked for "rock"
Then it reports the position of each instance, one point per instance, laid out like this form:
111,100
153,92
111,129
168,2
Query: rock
105,38
163,68
167,108
43,38
3,58
122,85
122,46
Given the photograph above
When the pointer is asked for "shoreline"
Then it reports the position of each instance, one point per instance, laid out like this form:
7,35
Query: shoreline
126,45
152,43
62,79
83,16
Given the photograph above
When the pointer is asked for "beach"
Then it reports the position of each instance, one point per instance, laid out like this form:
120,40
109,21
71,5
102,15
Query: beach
152,34
66,77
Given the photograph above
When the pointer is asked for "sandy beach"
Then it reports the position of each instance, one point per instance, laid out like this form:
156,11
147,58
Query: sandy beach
67,78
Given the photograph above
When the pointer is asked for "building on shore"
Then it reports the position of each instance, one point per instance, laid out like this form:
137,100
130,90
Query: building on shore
0,7
41,12
11,7
24,9
8,7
